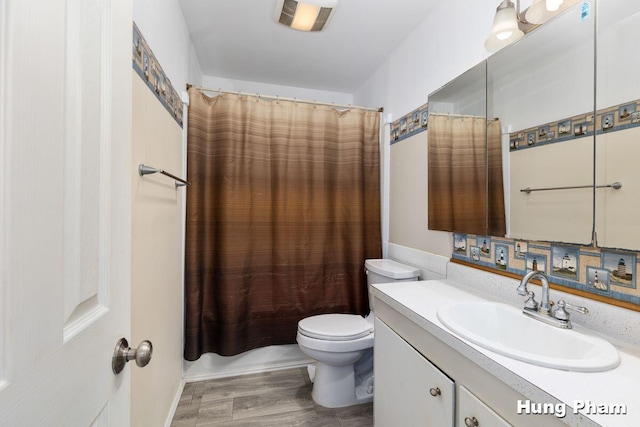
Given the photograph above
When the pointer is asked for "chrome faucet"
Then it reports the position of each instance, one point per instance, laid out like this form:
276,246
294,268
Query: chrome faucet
559,317
545,306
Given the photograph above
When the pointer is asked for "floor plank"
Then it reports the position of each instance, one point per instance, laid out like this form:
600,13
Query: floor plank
277,398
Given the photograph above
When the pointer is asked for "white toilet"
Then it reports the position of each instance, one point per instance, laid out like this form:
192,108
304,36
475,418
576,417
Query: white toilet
342,344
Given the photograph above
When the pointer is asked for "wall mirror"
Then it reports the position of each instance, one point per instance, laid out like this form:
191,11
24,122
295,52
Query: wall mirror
457,159
618,118
542,90
540,128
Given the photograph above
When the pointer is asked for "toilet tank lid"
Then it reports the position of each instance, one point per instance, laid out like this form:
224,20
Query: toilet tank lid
391,269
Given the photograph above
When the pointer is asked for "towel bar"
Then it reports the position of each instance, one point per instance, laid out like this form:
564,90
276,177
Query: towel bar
146,170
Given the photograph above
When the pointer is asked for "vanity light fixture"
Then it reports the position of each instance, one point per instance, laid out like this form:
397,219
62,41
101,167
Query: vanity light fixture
304,15
505,29
510,24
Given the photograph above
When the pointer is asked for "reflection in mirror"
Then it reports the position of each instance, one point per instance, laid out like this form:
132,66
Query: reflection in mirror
542,89
618,123
458,159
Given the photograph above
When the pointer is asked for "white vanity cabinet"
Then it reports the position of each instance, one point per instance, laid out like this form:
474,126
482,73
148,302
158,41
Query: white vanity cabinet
409,390
409,361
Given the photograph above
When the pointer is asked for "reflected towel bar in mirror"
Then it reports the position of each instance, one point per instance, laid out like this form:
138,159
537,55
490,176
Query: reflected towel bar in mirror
146,170
616,186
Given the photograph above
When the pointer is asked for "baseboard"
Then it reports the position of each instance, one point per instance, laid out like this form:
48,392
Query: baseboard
174,405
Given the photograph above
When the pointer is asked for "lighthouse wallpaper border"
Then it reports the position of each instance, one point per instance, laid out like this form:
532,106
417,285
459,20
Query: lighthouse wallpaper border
616,280
536,261
598,281
621,268
565,262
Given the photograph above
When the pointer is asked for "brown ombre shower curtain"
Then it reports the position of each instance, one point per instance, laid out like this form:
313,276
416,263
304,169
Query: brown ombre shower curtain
282,211
496,221
464,163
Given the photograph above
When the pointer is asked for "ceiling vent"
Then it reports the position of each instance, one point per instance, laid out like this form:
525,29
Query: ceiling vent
306,15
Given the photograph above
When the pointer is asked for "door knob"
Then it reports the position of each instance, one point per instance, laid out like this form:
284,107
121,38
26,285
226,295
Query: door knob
123,353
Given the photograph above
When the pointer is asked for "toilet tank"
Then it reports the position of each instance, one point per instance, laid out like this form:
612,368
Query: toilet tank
388,271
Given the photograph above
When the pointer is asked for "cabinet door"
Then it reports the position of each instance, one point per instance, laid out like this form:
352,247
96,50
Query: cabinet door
473,412
409,390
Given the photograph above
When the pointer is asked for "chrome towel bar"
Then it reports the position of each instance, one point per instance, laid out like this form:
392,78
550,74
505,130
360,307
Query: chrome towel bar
146,170
616,186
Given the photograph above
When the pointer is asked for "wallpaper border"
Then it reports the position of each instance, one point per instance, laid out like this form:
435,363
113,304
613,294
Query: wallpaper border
605,272
147,67
607,120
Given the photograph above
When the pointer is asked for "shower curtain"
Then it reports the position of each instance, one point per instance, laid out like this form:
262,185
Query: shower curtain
465,175
282,211
496,221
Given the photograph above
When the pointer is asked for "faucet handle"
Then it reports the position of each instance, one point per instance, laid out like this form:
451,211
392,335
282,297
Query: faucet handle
561,314
531,302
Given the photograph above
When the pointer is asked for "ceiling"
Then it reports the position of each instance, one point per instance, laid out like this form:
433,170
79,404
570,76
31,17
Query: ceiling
239,39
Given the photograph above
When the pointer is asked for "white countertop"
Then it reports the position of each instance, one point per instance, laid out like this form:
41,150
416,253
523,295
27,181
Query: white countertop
420,301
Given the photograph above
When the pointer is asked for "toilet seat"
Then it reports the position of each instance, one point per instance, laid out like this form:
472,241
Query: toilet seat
335,327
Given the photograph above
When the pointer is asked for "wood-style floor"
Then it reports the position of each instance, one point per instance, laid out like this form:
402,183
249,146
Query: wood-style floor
278,398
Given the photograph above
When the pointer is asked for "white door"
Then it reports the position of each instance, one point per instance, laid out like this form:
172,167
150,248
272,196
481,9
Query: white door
65,131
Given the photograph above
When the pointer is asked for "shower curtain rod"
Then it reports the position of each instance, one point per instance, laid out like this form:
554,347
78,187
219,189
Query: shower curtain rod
280,98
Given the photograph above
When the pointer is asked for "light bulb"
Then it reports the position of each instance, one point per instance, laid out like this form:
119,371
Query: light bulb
553,5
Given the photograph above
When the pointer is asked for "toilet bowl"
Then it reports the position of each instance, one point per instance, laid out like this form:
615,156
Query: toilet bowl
336,342
342,344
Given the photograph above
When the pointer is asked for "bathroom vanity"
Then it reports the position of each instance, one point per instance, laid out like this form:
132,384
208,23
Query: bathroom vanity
427,375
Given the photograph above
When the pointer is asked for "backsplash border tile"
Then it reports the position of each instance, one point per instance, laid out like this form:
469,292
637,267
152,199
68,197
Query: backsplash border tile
589,259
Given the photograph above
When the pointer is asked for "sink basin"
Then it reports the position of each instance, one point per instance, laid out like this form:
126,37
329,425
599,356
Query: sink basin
506,330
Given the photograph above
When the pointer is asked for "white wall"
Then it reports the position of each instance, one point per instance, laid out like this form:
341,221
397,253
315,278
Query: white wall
162,24
156,241
446,44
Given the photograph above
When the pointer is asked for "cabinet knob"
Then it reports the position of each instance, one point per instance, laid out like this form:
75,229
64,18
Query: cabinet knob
434,392
471,422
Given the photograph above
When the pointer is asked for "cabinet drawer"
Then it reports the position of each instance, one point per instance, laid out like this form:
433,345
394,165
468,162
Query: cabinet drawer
473,412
